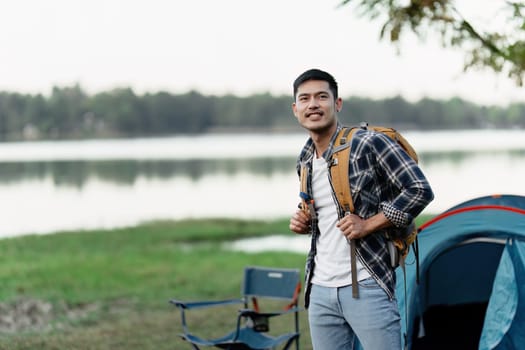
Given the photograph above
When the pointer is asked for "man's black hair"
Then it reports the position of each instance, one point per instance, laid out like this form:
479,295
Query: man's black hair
316,74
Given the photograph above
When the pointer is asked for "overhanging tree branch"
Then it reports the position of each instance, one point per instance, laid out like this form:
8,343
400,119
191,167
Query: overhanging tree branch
487,50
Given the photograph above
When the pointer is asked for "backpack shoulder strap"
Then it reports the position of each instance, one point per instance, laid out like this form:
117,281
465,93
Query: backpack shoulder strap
307,203
302,193
341,183
339,168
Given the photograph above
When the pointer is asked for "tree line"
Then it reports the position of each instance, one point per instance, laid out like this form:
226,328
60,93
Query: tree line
71,113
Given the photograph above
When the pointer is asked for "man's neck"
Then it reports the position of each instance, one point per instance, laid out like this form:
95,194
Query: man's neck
322,140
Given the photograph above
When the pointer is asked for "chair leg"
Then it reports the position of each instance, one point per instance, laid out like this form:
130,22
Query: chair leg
194,346
290,342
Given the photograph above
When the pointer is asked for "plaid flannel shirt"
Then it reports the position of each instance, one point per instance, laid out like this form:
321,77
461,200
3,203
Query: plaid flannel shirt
382,178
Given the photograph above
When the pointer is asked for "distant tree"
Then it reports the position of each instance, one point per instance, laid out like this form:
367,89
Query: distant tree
501,51
66,107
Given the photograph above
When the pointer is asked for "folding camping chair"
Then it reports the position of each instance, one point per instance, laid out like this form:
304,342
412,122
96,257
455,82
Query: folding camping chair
277,284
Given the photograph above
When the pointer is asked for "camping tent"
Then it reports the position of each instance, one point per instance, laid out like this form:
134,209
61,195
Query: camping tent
469,292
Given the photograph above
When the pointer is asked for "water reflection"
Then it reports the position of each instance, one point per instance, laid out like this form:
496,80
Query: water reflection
53,186
126,172
457,157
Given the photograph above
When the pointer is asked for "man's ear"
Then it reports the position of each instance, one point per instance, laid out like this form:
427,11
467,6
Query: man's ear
339,104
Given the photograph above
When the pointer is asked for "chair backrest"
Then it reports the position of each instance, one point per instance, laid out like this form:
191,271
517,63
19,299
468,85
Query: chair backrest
277,283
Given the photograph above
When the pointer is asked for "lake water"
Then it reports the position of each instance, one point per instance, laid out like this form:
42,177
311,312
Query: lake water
50,186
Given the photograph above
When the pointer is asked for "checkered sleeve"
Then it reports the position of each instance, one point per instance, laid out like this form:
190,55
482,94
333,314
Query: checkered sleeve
396,217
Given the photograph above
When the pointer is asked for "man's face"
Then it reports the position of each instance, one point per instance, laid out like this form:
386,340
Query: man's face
315,106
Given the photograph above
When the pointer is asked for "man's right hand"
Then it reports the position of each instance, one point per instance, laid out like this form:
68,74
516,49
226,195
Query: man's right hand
300,222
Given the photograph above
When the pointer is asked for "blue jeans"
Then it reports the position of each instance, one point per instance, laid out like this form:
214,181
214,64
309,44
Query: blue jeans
338,321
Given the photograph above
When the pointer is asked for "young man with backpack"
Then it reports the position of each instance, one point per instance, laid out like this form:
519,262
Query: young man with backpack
388,190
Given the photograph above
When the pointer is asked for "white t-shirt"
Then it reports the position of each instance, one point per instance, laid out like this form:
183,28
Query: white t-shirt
332,261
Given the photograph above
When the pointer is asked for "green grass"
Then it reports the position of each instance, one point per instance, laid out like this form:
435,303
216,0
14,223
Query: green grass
122,280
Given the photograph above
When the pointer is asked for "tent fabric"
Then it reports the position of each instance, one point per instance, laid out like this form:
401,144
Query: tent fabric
504,326
459,254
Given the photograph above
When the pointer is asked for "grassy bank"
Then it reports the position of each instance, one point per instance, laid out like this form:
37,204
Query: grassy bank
109,289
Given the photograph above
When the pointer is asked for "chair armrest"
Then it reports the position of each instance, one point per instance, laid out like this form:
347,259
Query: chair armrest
259,321
203,304
253,313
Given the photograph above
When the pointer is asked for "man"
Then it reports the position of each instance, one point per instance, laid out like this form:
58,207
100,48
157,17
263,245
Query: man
389,191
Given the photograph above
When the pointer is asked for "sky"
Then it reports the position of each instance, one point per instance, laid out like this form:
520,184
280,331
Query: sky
240,47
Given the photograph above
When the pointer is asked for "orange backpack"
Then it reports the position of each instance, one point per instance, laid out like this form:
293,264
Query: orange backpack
398,247
339,173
